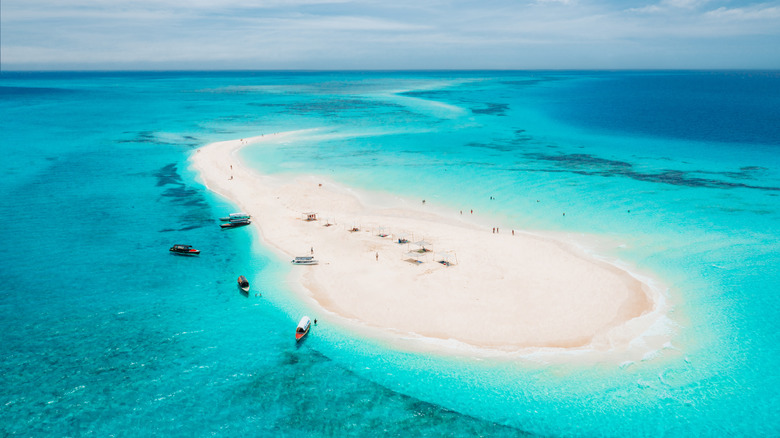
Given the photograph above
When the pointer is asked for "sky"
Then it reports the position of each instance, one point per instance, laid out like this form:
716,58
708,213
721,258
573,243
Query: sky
388,34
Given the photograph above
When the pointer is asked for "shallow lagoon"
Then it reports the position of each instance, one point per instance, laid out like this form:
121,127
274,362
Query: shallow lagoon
105,331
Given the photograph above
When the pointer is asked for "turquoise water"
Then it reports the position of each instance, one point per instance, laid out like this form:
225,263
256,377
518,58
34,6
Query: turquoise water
104,332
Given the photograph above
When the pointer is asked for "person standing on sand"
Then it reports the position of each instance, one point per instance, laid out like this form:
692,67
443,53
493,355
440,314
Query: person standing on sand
377,256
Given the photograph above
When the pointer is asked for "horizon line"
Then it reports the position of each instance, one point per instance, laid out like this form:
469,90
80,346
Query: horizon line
282,70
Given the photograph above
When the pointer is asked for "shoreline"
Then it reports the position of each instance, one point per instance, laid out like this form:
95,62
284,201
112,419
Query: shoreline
510,293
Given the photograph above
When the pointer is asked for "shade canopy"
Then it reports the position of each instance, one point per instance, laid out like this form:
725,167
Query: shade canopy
446,257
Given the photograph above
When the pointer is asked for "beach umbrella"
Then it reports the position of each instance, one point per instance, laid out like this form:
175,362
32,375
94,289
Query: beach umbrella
446,258
402,237
422,244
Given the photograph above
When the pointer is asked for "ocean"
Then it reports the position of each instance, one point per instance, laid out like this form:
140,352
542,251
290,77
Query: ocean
674,174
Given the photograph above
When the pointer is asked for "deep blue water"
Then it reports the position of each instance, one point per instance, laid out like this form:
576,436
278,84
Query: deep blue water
723,107
104,332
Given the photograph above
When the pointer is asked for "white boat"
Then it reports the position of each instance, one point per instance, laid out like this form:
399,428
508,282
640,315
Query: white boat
236,217
303,328
304,261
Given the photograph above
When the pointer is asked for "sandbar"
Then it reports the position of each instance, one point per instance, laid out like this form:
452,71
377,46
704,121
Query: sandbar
503,291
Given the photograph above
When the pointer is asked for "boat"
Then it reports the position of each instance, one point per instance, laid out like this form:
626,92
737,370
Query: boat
243,283
236,216
303,328
304,261
184,250
236,223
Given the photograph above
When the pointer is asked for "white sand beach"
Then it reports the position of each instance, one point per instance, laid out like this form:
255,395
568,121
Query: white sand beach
505,292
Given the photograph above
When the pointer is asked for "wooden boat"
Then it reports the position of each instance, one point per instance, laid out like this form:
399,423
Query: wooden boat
303,328
236,216
304,261
184,250
243,283
236,223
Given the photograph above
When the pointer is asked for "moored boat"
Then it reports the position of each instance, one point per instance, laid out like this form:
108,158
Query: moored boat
243,283
304,261
303,328
236,223
184,250
236,216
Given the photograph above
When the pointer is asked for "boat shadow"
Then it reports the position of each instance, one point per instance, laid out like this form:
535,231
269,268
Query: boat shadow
304,340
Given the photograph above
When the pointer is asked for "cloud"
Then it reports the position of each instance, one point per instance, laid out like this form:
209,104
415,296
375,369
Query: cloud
755,12
650,9
399,34
685,4
564,2
666,6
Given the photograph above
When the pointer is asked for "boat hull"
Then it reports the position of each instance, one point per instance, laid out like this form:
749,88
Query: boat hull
192,253
185,250
303,329
243,284
235,224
